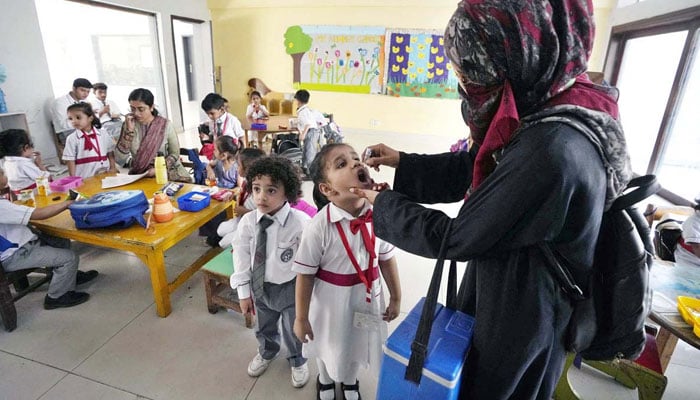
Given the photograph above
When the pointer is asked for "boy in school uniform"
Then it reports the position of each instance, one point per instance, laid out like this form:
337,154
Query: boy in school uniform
309,122
21,249
221,122
264,247
59,113
106,110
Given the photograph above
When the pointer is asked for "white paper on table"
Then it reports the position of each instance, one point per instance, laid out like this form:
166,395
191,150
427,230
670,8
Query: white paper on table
120,180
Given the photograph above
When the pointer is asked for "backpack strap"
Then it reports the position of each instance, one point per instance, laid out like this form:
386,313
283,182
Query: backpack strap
561,273
419,347
645,186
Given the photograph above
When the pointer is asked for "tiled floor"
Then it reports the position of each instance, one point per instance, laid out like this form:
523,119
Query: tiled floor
115,347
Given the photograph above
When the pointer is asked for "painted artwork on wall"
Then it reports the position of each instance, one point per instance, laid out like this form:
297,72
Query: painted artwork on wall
416,65
337,58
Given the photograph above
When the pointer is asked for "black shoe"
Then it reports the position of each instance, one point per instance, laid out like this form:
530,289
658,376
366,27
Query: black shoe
351,388
85,277
69,299
213,241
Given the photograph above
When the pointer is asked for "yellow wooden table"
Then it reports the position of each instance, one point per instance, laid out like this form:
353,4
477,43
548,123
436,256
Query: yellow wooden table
150,246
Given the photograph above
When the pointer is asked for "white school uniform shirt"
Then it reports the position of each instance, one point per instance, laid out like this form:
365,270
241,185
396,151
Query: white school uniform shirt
22,172
97,105
262,112
13,227
691,234
230,125
283,237
336,341
88,162
308,117
59,113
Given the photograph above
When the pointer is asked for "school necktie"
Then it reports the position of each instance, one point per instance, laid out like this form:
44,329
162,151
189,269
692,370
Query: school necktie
360,223
260,256
218,129
89,139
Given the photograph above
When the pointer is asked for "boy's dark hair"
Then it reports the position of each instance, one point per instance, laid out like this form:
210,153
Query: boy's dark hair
317,172
280,170
212,101
86,109
145,96
302,96
248,155
83,83
13,141
225,144
99,86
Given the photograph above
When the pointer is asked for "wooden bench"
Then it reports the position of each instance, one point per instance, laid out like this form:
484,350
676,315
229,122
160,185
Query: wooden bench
217,273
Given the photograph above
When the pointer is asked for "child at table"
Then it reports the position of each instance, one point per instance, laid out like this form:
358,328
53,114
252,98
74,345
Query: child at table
244,202
22,163
89,150
223,169
221,122
255,111
21,249
338,278
263,252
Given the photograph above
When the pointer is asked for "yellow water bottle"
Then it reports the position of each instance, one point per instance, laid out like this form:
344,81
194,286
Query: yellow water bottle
161,171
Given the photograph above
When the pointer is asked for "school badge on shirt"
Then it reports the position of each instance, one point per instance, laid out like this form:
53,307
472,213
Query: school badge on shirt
286,255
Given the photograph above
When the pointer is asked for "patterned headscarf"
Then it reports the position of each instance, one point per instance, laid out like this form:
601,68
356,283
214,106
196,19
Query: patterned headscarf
524,62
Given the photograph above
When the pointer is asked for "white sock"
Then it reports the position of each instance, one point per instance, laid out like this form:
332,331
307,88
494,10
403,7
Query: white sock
325,379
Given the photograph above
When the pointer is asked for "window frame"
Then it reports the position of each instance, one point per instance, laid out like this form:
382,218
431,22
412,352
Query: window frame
683,20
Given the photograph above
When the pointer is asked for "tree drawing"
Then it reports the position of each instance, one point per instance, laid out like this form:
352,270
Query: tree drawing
296,43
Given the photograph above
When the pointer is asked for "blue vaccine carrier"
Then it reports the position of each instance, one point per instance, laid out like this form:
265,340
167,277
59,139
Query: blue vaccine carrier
447,351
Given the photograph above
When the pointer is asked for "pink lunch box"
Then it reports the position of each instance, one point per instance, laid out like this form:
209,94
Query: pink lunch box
66,183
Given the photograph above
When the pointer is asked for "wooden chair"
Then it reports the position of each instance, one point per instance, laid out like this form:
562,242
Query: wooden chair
217,273
22,286
643,374
276,102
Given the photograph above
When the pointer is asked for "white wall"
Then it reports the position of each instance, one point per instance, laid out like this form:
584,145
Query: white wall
647,9
28,87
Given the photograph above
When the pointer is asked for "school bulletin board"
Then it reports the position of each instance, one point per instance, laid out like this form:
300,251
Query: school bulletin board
338,58
374,60
416,65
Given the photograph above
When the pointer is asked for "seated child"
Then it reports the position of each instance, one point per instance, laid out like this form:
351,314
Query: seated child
207,141
223,169
688,249
221,122
338,276
22,163
263,252
89,150
107,111
244,202
21,249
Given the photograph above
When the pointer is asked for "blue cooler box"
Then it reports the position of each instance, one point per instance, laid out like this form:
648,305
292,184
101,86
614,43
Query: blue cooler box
449,342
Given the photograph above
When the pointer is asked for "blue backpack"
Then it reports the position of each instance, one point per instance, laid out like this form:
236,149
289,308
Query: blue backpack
114,209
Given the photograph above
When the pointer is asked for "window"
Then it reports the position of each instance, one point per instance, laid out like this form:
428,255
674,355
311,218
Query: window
655,65
106,44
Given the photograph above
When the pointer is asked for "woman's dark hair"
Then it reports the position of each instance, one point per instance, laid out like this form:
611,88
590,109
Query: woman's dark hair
225,144
13,142
86,109
280,170
145,96
317,172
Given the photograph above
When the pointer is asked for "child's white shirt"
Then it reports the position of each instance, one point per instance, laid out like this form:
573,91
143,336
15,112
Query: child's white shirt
88,162
230,126
308,118
336,341
22,172
691,234
261,112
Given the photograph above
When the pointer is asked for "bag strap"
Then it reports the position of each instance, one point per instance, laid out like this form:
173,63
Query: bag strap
561,273
419,346
645,186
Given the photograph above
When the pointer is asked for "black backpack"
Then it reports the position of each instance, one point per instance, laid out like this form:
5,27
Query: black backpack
608,322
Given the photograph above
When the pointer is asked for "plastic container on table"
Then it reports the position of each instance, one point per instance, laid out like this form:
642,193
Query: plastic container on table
193,201
66,183
689,308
